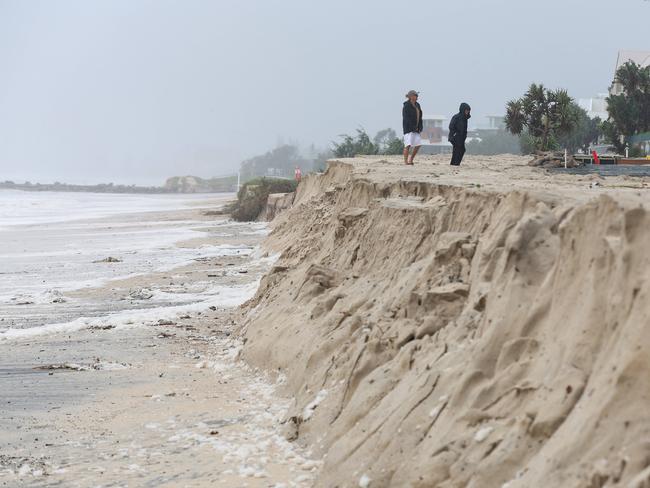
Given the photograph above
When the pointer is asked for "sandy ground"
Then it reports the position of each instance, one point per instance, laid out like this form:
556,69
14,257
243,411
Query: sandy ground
500,173
482,326
157,403
168,407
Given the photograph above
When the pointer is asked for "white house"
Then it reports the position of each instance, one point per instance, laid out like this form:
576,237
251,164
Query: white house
596,106
639,57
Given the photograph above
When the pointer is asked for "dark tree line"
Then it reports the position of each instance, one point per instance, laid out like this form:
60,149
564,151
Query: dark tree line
629,111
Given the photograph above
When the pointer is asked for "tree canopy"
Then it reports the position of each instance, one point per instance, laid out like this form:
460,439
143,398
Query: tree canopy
545,115
585,132
384,142
629,112
283,159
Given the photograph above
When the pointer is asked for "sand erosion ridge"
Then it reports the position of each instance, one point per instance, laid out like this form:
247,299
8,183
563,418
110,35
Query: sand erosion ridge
436,332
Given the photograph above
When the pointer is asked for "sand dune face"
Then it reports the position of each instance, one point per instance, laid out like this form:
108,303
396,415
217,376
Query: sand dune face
435,333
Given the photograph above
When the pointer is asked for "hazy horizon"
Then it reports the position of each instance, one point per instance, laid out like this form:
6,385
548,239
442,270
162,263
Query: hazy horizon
134,91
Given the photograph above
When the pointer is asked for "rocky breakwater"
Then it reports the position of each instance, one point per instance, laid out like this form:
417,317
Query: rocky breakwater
445,328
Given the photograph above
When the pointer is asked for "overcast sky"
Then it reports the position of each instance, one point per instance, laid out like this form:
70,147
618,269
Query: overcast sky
137,90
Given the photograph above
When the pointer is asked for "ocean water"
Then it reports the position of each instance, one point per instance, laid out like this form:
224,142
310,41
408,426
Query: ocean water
21,208
52,244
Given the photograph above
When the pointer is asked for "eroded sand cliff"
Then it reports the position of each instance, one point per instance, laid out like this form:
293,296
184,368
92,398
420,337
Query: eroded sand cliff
484,326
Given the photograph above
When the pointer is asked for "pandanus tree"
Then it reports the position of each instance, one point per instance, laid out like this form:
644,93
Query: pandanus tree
586,131
546,116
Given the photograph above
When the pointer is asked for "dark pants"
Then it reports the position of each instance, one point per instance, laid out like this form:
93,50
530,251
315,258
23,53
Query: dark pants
457,154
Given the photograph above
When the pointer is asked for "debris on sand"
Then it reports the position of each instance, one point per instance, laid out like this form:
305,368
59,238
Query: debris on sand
140,294
56,296
364,481
63,366
165,322
109,259
23,466
553,159
96,366
102,327
483,434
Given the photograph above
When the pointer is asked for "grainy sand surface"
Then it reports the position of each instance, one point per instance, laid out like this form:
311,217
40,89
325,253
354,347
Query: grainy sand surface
481,326
149,390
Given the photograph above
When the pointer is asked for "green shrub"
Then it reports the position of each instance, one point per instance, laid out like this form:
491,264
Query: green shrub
253,195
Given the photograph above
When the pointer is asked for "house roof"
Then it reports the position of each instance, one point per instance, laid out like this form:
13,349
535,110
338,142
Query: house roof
639,57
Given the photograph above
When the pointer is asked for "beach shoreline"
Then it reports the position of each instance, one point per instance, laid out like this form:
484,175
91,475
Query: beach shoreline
148,389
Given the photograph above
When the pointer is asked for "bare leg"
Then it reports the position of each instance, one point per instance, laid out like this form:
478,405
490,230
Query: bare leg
415,151
406,154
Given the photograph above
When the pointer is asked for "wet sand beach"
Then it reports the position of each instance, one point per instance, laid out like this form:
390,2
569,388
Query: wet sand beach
138,381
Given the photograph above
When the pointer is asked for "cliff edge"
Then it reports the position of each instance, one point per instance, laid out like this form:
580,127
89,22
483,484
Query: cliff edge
481,326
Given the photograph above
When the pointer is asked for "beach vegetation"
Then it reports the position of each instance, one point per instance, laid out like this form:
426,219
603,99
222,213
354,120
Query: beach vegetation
253,195
279,161
586,131
282,161
385,142
388,143
351,146
545,116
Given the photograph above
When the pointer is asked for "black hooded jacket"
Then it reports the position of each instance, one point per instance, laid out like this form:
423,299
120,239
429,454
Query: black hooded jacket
458,125
410,122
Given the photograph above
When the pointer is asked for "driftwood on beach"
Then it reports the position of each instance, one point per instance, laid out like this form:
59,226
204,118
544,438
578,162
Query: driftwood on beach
552,159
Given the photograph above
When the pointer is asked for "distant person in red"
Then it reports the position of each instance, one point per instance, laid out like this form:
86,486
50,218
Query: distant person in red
594,155
412,125
297,174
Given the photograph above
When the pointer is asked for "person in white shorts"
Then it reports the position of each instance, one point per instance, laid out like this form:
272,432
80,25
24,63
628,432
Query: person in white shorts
412,125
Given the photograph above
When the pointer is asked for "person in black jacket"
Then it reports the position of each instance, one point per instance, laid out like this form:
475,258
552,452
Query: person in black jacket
458,133
412,125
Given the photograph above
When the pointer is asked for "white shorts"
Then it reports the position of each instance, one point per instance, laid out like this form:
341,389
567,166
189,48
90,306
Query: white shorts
412,139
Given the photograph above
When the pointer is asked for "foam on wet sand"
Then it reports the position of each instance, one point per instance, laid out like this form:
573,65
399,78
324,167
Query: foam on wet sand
114,394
